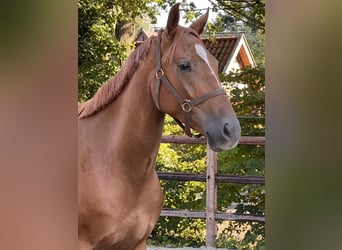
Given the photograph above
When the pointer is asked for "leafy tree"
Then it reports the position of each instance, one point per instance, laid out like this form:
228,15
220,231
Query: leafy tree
250,12
180,232
248,98
105,36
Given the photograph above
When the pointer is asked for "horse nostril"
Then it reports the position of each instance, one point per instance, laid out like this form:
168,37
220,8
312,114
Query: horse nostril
226,130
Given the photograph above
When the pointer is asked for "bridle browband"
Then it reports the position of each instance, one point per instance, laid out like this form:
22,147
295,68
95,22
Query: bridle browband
186,104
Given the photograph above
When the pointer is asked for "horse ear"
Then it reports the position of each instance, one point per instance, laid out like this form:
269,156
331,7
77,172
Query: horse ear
172,20
200,23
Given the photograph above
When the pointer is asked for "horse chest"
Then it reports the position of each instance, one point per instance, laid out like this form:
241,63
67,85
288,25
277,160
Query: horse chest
125,219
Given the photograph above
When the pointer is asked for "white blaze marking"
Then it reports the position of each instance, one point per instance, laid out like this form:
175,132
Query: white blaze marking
203,54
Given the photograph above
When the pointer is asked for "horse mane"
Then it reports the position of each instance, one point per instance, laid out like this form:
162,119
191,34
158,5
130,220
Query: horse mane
107,93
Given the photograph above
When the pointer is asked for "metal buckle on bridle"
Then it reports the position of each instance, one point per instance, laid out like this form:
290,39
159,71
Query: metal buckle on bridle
159,74
186,105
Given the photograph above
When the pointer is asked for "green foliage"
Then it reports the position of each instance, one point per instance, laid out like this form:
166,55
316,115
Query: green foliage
100,52
248,98
256,41
250,12
231,14
178,232
190,195
240,235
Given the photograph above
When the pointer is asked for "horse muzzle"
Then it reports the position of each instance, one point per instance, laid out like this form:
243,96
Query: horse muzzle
224,135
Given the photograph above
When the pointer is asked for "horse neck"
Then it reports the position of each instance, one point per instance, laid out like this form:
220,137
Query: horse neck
138,123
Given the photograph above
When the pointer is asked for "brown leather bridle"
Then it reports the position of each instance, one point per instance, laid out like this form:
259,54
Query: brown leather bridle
186,104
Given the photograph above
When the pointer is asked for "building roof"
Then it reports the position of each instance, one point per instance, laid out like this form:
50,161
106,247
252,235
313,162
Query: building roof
221,49
230,49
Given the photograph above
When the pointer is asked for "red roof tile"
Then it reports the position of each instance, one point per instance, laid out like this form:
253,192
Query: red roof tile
221,49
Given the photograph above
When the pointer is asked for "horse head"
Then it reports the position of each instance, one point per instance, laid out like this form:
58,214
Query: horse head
191,91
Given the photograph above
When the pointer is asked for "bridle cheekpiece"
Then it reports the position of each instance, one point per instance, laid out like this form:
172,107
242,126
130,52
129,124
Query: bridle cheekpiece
186,104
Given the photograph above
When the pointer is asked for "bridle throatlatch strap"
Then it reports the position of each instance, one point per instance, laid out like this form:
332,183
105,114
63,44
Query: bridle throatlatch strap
186,104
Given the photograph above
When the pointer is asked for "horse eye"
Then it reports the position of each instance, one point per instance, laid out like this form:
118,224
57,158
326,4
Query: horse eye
184,66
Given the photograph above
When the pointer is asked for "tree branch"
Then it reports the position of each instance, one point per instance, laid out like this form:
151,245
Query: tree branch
238,11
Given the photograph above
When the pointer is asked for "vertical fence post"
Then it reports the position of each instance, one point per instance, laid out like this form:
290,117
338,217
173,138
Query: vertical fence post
211,198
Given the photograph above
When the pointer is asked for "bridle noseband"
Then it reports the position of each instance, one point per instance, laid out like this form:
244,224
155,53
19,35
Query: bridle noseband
186,104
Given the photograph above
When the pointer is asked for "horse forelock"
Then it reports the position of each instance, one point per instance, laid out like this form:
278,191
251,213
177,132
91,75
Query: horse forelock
107,93
179,33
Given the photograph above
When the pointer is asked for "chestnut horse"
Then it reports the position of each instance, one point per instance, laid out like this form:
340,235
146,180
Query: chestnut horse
120,130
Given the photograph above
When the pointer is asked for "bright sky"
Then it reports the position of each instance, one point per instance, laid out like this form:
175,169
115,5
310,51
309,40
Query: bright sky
201,4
